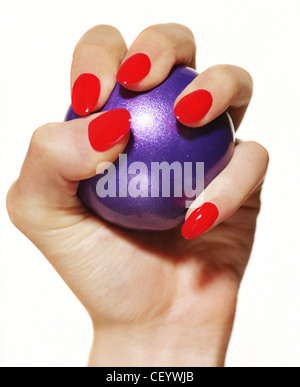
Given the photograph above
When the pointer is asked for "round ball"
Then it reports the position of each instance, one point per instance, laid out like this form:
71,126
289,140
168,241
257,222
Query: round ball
165,164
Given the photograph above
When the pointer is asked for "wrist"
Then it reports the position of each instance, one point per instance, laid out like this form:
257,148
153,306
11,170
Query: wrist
162,346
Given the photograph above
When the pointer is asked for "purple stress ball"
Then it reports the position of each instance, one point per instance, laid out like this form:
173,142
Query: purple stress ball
165,164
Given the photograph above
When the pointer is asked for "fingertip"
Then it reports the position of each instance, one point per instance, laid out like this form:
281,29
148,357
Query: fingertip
134,70
200,221
109,129
264,153
85,94
193,107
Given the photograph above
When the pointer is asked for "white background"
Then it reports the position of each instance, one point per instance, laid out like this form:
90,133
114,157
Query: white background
41,321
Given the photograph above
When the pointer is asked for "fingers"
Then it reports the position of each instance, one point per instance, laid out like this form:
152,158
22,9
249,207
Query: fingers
96,66
228,191
215,90
61,154
153,54
147,63
96,60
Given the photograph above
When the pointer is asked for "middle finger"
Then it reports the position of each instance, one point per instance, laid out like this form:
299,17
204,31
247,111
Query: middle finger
152,55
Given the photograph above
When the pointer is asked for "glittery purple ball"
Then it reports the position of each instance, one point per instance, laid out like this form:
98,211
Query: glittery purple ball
165,164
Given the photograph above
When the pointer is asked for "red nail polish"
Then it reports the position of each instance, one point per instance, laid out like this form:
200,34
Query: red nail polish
193,107
85,94
200,221
108,129
134,69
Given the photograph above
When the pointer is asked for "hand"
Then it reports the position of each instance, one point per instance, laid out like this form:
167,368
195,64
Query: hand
155,299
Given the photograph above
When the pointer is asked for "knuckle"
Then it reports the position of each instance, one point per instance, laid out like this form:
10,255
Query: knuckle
155,35
264,152
22,199
23,211
226,73
98,31
105,36
14,206
186,32
10,204
233,75
247,77
261,150
171,38
184,28
40,143
106,30
167,33
17,203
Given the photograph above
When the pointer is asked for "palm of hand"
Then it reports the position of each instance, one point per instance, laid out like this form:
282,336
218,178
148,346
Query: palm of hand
128,277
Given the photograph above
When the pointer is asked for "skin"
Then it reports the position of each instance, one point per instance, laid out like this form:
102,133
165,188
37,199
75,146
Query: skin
155,299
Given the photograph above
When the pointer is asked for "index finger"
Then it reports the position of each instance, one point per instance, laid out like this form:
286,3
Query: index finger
96,59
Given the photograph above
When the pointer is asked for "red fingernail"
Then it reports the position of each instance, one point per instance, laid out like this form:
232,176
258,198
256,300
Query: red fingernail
108,129
193,107
134,69
85,94
200,221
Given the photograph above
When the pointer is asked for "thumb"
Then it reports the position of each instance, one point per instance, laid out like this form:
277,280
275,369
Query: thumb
62,154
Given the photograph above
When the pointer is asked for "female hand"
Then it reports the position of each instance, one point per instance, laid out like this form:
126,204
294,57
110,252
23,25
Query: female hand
155,299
